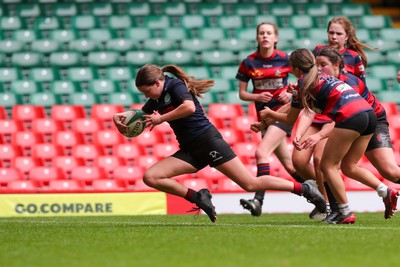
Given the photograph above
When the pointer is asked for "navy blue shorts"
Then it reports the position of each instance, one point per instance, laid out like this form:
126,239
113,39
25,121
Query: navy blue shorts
209,149
364,123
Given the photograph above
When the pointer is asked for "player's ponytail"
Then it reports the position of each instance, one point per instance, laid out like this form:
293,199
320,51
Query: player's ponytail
304,60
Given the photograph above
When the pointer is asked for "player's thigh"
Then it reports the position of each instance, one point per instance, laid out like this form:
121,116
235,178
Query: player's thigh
170,167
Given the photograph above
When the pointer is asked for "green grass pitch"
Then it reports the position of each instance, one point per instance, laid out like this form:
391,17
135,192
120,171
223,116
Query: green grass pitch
182,240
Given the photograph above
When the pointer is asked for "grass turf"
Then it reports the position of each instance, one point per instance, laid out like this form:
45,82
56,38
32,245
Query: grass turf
235,240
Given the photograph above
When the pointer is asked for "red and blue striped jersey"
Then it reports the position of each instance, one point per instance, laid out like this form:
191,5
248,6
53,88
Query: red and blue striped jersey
352,61
334,98
267,75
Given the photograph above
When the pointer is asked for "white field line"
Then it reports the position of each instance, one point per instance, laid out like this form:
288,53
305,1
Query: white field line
352,227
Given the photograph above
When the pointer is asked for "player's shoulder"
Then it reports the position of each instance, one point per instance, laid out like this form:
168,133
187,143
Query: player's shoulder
281,53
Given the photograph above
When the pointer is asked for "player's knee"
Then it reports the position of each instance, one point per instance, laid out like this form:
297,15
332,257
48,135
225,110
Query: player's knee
149,179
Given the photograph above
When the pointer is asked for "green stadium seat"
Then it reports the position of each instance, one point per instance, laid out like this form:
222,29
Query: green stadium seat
65,59
192,21
102,87
364,35
139,33
384,45
232,97
10,46
197,45
45,99
235,45
375,85
179,57
84,99
281,9
84,22
9,74
218,57
81,74
47,23
24,35
8,100
28,10
139,9
200,72
121,98
227,71
117,22
230,22
65,9
376,22
173,9
308,43
156,22
101,9
63,87
119,73
222,85
393,57
2,61
83,45
103,58
63,35
44,74
121,45
100,34
354,9
319,34
263,18
26,59
214,33
210,9
304,22
374,57
249,34
208,98
389,96
158,44
45,46
244,9
139,58
382,71
24,87
390,34
11,23
285,35
174,34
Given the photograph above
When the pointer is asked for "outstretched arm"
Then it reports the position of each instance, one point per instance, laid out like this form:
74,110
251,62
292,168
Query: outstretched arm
288,117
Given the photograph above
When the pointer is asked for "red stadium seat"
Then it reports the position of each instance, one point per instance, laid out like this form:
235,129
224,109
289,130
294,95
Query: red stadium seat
196,183
107,139
43,175
46,153
225,112
353,185
109,163
128,174
108,185
21,186
7,129
146,161
67,140
87,127
47,127
128,152
67,164
65,186
104,113
87,152
7,154
251,111
9,174
163,150
166,132
246,151
211,174
67,113
231,135
3,113
390,107
26,140
87,174
242,124
25,164
27,114
147,140
229,185
141,186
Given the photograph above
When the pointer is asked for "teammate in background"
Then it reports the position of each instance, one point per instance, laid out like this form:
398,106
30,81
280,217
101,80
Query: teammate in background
355,123
342,36
379,150
268,70
174,100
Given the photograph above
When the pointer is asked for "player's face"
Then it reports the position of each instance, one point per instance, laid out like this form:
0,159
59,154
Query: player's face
326,66
337,36
152,91
266,37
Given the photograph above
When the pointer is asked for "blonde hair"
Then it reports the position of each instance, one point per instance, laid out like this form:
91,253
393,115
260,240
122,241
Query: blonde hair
304,60
352,42
149,74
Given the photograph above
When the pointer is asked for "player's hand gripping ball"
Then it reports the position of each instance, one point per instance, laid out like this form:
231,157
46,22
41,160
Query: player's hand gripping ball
130,123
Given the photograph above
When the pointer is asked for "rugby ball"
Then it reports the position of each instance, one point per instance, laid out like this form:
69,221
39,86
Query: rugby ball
135,121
